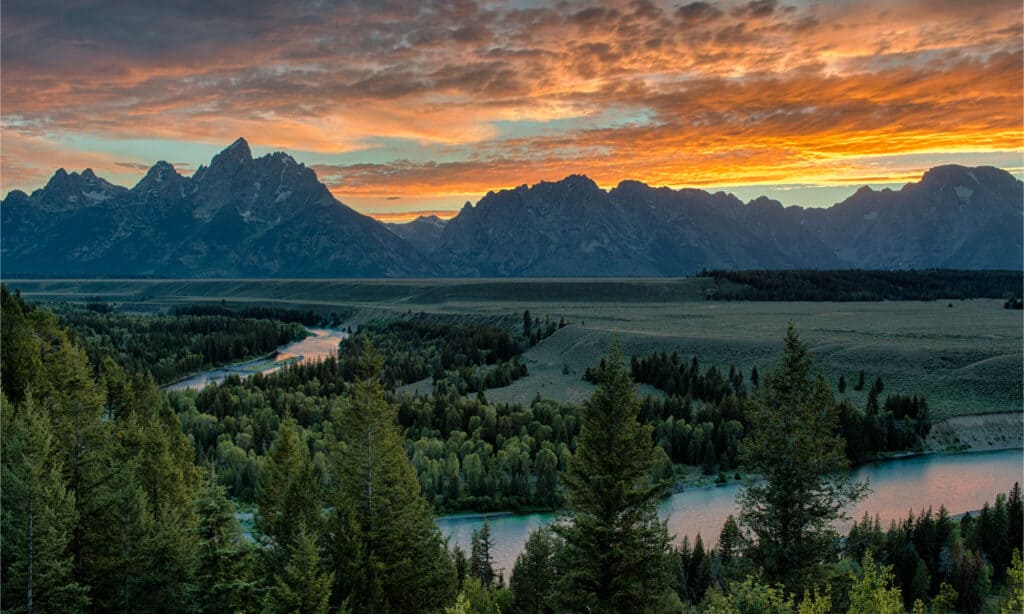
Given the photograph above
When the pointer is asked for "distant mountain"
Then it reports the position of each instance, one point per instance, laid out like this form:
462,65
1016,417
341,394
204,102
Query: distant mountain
955,217
271,217
239,216
424,233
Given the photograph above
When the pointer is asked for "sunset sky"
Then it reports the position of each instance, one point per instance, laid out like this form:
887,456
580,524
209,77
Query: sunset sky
422,106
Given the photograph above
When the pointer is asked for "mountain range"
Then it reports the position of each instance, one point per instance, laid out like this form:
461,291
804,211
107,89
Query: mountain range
271,217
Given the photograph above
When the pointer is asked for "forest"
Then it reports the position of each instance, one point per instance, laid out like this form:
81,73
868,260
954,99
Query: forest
188,340
861,285
117,495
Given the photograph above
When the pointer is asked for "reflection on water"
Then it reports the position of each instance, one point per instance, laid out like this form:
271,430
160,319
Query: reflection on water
323,342
961,482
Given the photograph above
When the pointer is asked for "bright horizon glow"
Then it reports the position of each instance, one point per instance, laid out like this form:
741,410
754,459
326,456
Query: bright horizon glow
422,107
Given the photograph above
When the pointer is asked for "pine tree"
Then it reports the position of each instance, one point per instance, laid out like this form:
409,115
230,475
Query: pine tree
397,549
481,564
842,384
790,514
535,574
616,553
225,562
38,517
289,495
730,540
301,585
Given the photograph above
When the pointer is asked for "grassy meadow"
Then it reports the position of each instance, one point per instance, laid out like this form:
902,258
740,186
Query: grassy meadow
964,356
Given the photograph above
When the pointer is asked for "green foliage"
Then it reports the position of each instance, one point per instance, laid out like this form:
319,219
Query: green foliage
867,285
535,574
1013,599
481,564
301,585
805,488
747,597
872,591
38,516
289,499
225,574
616,549
172,346
945,602
400,549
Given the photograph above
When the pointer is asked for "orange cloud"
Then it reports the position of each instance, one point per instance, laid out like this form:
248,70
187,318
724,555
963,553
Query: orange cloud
454,99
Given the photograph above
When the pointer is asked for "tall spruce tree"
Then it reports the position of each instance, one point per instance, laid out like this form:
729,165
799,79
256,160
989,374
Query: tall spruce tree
535,574
289,499
481,563
616,555
225,566
38,516
805,489
397,551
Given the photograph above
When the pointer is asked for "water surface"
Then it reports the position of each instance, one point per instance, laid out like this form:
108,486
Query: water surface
961,482
322,342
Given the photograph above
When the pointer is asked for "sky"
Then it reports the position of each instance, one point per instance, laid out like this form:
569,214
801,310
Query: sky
405,108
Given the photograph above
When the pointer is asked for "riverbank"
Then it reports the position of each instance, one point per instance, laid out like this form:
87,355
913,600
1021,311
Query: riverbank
977,433
316,345
957,481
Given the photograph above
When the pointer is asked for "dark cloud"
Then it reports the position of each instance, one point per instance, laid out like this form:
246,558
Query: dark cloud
756,9
135,166
697,12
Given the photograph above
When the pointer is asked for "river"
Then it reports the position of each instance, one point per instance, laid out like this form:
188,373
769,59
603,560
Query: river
961,482
321,343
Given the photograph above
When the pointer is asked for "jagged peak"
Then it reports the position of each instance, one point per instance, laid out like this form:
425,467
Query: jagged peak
89,174
241,145
158,173
237,153
763,202
60,177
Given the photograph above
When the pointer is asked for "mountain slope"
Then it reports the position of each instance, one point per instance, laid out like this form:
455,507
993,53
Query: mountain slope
240,216
424,233
271,217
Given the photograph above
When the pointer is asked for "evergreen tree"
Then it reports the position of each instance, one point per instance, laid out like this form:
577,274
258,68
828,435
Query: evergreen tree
730,541
481,564
805,488
616,553
860,381
461,562
225,566
301,585
842,384
38,517
535,573
289,496
398,548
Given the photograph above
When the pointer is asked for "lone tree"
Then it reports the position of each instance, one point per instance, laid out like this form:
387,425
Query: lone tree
616,554
805,488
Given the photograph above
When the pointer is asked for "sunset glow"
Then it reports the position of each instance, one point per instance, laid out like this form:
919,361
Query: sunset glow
410,107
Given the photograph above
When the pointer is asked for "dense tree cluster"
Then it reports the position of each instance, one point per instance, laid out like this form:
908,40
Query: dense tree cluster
261,312
426,346
100,489
934,557
116,496
171,346
901,423
857,285
106,510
